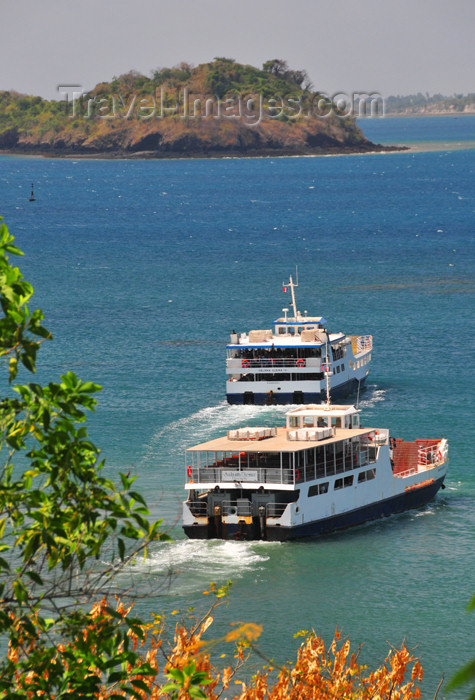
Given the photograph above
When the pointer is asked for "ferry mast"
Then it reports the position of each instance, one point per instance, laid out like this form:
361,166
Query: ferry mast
292,285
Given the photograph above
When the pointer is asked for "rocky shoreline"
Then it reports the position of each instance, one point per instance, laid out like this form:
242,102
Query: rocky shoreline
121,154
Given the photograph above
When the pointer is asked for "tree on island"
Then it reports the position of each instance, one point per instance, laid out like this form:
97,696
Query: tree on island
67,532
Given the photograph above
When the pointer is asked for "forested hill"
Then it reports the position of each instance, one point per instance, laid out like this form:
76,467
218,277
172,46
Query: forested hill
216,108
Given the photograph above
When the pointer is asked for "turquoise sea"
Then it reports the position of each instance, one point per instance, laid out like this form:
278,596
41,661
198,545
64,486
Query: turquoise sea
143,268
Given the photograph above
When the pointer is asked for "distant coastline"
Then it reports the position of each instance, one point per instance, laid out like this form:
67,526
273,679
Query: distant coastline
426,105
422,113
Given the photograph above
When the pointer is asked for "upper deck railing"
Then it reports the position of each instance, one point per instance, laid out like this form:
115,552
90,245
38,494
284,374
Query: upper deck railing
242,364
238,474
363,343
267,475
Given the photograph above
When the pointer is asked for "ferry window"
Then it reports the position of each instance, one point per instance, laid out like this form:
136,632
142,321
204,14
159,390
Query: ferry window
348,480
338,484
318,489
367,475
343,367
308,421
294,422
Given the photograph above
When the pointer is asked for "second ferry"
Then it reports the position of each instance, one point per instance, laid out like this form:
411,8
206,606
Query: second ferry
288,364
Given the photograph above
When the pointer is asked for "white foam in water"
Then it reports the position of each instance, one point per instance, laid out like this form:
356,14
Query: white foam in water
428,510
198,562
372,397
213,421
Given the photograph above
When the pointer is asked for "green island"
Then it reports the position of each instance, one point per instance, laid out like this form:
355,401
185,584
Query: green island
215,109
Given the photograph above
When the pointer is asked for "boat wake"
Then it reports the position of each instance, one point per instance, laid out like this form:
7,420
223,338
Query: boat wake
372,396
210,422
193,564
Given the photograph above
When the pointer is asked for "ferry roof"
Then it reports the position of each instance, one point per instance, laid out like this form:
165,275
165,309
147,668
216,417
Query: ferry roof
278,443
323,410
285,341
302,321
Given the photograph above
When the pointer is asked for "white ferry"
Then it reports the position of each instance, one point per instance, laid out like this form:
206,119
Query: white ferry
287,364
323,471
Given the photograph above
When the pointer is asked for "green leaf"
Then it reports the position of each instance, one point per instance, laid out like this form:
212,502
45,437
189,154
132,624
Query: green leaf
35,577
89,387
116,676
201,677
21,594
139,683
464,675
145,669
177,675
13,249
169,688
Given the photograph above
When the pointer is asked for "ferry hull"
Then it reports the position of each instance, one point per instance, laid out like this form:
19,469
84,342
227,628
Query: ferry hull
406,501
391,506
304,397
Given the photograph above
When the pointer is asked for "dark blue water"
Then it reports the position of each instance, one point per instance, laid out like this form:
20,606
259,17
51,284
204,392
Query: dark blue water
143,268
434,132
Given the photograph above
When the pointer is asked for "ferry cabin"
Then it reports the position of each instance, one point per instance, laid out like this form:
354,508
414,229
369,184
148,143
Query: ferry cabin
288,364
321,472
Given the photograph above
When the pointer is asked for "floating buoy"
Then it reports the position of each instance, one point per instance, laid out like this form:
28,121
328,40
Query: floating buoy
32,196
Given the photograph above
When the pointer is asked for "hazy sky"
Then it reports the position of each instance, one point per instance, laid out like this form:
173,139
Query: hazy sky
386,46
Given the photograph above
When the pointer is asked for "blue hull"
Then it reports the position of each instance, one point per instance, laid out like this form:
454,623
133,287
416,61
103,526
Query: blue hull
406,501
298,397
